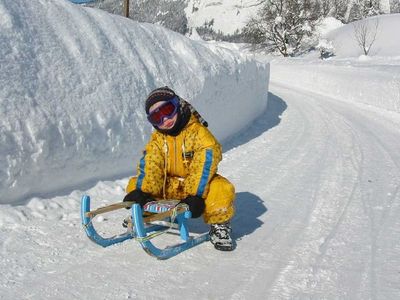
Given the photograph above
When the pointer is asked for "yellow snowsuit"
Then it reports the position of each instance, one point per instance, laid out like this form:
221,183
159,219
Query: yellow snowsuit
174,167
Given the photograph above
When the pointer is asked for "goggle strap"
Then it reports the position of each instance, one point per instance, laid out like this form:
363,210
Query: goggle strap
194,112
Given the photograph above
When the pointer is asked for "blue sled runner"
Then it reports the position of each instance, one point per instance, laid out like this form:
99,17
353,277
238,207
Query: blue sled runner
145,224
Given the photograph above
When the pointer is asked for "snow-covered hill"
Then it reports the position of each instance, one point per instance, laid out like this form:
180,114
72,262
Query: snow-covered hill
227,16
73,82
382,30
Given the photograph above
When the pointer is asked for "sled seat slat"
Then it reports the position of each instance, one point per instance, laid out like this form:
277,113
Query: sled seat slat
112,207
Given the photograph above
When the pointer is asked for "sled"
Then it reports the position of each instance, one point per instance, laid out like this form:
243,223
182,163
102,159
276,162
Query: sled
153,220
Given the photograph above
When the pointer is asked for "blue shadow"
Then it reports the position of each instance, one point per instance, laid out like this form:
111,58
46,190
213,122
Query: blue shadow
270,118
248,208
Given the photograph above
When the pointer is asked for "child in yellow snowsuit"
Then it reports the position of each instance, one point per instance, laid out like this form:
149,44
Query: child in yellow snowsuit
180,162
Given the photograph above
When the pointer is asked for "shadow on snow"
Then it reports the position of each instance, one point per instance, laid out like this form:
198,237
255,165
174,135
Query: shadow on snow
270,118
248,208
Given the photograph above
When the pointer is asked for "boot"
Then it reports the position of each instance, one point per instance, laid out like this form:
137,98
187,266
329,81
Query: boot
220,236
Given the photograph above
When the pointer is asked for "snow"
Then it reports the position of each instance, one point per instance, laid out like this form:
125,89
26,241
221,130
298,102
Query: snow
316,172
387,42
327,25
74,81
227,15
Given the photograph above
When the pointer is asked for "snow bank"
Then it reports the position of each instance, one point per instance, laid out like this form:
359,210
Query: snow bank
375,85
73,81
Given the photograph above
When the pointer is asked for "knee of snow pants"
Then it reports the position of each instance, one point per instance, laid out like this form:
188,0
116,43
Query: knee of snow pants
131,185
219,201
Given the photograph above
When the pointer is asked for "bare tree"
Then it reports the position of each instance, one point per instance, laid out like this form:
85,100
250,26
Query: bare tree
365,34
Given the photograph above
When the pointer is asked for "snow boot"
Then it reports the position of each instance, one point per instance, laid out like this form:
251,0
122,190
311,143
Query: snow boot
220,236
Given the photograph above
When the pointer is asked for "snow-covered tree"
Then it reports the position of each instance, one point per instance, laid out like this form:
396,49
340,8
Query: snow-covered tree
283,24
333,8
395,6
360,9
385,6
168,13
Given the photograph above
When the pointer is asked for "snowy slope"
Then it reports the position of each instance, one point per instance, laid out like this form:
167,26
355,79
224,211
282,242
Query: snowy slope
227,15
73,82
386,43
318,198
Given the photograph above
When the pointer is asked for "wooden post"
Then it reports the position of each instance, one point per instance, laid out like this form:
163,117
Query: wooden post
126,8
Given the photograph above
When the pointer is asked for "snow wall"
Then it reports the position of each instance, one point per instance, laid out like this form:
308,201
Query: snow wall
73,82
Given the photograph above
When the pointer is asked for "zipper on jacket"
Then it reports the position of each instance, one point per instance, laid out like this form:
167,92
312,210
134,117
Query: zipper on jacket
175,156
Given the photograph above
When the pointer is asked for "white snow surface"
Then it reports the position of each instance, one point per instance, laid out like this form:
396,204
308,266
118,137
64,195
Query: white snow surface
227,15
73,84
387,41
317,196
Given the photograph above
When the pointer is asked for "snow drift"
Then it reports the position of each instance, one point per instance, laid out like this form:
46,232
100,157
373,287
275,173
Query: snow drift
73,81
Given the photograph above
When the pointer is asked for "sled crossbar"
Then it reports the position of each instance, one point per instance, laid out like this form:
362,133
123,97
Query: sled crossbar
148,219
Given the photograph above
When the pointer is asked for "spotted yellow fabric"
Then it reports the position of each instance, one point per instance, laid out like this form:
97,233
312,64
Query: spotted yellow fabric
176,167
219,201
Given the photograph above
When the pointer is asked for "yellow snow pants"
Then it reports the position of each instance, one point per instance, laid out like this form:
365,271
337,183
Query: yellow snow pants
219,201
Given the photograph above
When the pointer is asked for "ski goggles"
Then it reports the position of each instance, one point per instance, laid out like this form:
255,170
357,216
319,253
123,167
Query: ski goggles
165,111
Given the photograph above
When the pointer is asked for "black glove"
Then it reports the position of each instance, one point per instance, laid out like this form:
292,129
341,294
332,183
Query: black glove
139,197
196,205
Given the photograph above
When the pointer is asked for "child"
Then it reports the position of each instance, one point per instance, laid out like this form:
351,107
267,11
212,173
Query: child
180,162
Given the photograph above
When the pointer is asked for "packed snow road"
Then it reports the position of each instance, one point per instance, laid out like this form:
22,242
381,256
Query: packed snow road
317,184
329,177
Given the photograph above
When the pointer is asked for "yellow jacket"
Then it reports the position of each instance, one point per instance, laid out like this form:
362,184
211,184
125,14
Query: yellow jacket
192,156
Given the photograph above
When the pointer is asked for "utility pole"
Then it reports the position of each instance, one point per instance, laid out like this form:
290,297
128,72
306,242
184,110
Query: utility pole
126,8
